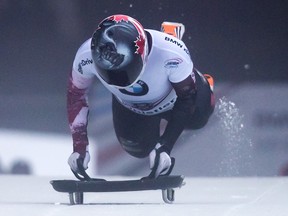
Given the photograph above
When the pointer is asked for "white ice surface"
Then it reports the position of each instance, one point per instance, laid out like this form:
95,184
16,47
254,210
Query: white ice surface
34,196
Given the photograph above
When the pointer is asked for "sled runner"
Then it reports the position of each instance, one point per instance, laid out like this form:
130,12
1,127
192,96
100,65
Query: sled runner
77,188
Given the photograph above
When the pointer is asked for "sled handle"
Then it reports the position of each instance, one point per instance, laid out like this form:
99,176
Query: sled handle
82,174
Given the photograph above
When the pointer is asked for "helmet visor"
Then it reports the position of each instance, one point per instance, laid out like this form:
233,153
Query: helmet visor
121,77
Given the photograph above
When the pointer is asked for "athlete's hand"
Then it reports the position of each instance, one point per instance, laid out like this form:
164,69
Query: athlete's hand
160,161
76,159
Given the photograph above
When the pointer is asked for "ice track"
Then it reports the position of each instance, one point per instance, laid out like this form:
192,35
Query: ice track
34,196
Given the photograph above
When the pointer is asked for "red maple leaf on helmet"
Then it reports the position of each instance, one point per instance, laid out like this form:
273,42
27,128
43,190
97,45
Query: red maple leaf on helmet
119,18
140,44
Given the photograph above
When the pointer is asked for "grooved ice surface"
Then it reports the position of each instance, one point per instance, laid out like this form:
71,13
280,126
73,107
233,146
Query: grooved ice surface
34,196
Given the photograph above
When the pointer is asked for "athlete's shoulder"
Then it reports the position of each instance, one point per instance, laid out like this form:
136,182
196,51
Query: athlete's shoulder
175,57
169,43
83,58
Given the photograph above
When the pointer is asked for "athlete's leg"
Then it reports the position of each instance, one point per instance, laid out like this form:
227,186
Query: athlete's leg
137,134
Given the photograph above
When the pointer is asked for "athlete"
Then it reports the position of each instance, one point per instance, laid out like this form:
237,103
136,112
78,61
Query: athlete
151,77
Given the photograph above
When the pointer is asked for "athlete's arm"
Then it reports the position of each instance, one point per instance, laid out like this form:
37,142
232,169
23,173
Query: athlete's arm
183,108
77,110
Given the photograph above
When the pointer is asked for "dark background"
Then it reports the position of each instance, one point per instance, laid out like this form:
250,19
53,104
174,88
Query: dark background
234,40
